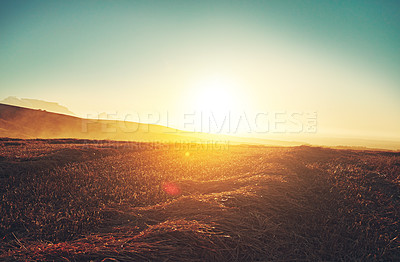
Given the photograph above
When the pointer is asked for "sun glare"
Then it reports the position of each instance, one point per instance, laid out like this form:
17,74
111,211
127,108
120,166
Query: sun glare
216,96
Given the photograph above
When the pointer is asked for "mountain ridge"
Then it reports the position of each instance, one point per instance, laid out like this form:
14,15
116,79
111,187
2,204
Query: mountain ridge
26,123
36,104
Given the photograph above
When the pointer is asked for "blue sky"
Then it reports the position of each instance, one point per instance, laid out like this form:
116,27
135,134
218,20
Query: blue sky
340,58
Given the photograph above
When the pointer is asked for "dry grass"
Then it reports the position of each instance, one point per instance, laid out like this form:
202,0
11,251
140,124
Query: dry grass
71,200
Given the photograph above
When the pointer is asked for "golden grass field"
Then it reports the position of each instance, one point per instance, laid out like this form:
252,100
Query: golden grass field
85,200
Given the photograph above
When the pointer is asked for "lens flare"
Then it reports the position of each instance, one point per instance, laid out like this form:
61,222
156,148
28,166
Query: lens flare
171,188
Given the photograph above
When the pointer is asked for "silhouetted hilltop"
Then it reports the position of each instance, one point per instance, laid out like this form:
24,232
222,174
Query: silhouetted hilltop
18,122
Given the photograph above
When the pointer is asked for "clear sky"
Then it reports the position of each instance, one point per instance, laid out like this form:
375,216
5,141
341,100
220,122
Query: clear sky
340,59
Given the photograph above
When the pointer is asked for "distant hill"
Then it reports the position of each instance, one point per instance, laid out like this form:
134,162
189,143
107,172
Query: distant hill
19,122
37,104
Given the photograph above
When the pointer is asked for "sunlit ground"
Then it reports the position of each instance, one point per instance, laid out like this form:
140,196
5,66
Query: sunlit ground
131,201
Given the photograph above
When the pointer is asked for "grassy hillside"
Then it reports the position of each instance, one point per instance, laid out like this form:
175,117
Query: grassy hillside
18,122
80,200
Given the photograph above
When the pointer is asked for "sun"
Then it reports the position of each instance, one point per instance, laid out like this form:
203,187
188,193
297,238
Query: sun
216,96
